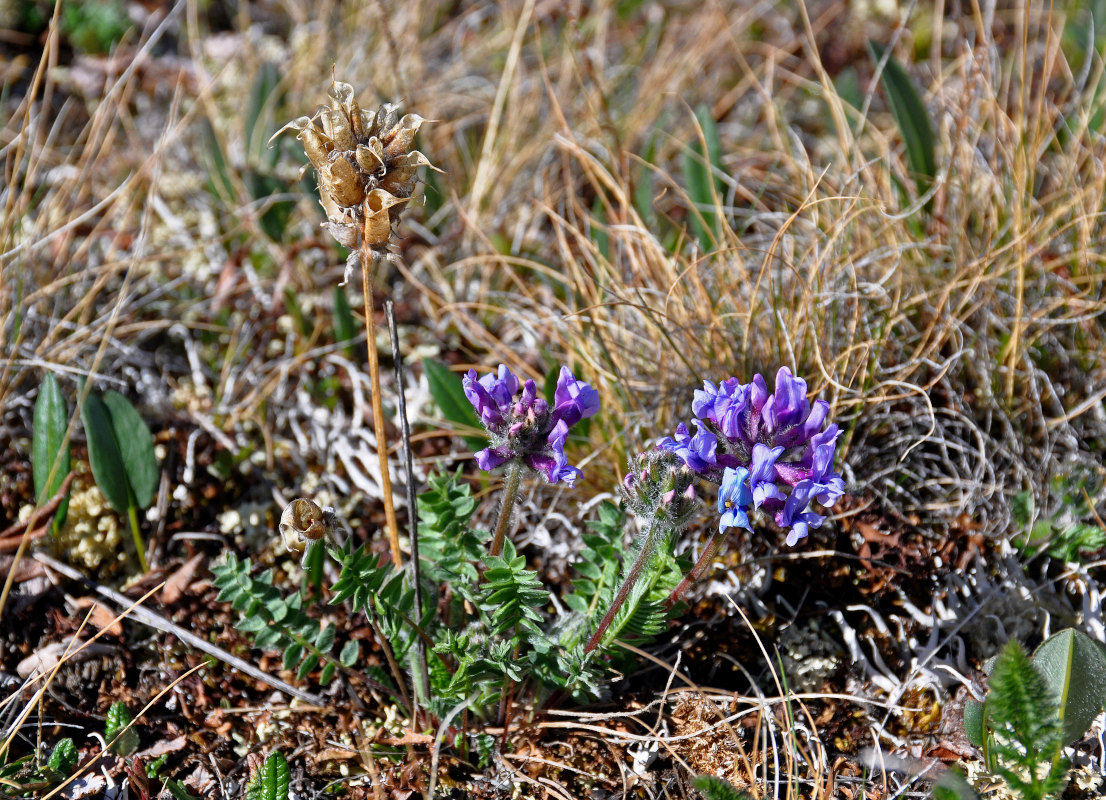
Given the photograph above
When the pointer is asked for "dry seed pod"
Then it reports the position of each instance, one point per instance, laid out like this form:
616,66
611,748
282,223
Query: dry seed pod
302,521
314,145
378,218
369,157
403,137
344,181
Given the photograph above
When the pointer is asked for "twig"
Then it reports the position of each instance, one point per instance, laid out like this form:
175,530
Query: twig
422,678
367,260
158,622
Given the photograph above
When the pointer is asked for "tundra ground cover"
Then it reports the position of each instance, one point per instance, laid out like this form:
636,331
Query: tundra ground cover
655,196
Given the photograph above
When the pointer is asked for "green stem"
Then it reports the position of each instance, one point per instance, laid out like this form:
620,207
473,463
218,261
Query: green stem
647,548
510,493
132,516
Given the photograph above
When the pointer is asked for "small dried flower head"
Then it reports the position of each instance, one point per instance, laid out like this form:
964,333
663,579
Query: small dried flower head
304,521
366,164
770,451
522,427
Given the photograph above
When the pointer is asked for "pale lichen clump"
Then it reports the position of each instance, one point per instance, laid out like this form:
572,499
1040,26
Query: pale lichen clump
366,165
92,536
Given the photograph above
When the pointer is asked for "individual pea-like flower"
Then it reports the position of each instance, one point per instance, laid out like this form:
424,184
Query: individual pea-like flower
778,443
522,427
366,165
697,451
734,499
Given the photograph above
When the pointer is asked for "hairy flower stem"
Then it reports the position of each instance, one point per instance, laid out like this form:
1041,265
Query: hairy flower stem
510,493
647,548
696,572
422,676
367,261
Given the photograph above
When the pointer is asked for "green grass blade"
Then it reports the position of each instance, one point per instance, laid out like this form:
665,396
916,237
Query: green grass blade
910,115
703,188
344,328
50,460
136,446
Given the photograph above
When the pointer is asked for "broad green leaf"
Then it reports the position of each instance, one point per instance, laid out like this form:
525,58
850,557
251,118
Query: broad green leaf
49,449
973,722
136,446
910,115
327,675
445,388
1074,667
104,455
953,786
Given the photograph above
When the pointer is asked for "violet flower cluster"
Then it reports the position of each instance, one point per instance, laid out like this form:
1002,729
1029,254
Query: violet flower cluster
771,452
522,427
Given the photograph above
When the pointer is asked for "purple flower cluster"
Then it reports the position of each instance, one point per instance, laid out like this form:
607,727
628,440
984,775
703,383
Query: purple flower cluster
523,427
772,452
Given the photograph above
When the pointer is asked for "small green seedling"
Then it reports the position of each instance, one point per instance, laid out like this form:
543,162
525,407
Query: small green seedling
271,781
50,460
121,739
121,454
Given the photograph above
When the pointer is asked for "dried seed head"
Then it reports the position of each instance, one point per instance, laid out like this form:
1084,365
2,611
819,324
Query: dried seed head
305,521
366,168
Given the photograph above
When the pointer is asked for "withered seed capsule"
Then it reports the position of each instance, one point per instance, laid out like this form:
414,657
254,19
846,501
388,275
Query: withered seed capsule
303,521
364,162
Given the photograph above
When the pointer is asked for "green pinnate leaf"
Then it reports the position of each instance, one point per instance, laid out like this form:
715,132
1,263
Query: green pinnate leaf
49,450
136,447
